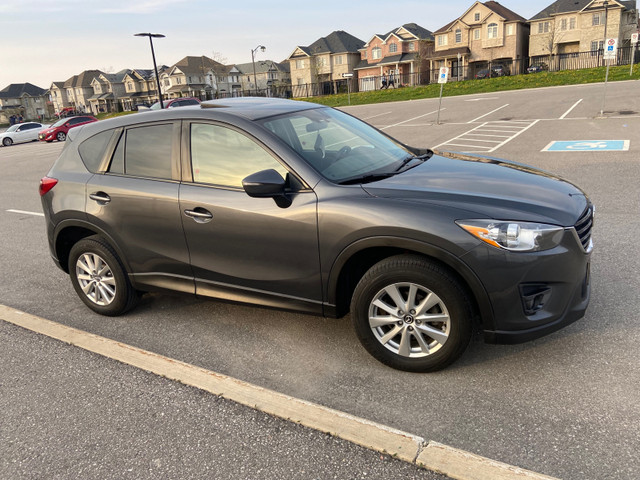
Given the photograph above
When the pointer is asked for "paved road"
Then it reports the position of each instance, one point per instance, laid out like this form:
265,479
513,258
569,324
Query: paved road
565,405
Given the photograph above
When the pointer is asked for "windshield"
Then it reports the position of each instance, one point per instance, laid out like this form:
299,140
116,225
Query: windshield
156,106
13,128
59,122
339,146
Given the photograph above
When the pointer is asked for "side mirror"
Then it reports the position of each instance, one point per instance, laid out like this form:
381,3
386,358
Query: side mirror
266,183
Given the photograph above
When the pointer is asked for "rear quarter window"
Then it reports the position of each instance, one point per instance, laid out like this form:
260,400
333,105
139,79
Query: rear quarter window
92,150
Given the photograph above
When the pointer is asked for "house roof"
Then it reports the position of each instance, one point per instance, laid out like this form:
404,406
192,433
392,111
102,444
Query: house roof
17,90
336,42
413,28
196,65
83,79
262,66
566,6
504,12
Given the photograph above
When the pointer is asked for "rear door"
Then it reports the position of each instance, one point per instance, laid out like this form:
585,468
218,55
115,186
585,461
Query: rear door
242,248
136,203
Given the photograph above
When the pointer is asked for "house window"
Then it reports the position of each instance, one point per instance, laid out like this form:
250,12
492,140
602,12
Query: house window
393,47
510,29
300,81
299,64
492,30
376,53
364,54
412,46
337,60
543,27
563,24
596,19
129,86
572,23
596,46
476,34
458,35
442,40
476,17
178,81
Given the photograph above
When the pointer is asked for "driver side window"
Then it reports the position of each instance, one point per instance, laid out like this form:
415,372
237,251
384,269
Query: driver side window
222,156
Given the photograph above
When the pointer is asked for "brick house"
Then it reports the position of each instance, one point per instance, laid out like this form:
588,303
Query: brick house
485,35
191,77
140,88
318,68
567,27
23,99
271,77
397,57
108,91
58,96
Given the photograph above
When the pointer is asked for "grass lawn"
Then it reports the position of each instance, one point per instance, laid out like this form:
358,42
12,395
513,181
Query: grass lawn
466,87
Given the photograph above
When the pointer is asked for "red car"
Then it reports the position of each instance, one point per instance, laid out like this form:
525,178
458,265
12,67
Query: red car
58,131
66,112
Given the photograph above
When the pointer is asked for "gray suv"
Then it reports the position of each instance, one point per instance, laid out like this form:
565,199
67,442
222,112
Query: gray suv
302,207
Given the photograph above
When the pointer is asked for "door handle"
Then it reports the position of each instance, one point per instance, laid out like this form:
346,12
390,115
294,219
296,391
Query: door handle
199,214
100,197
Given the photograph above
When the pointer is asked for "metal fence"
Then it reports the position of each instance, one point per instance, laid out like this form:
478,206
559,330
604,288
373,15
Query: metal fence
475,70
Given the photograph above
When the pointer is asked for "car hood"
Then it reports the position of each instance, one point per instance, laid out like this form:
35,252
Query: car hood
488,187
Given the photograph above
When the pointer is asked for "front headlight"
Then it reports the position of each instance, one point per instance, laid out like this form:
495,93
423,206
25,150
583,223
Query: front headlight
514,236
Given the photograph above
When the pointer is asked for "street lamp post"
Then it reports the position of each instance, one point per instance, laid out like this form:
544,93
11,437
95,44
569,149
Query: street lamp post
153,56
253,61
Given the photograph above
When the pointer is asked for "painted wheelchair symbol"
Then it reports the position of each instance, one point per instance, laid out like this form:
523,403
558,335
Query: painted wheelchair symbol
587,145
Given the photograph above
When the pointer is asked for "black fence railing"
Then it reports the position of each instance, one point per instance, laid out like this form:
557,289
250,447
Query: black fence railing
475,70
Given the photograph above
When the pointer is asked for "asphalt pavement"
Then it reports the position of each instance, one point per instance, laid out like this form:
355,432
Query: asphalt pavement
564,405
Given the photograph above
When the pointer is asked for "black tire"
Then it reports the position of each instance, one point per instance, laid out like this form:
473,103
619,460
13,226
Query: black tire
61,136
426,338
6,141
99,278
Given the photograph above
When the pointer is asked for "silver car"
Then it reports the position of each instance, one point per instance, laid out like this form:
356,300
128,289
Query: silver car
21,133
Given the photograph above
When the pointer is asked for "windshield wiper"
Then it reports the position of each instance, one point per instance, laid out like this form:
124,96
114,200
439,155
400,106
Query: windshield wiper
410,158
371,177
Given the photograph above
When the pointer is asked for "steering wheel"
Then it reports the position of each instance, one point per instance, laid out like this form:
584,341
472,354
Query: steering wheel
343,152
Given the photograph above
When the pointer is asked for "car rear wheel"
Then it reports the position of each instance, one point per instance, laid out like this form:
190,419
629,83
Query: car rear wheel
61,136
99,279
6,141
412,314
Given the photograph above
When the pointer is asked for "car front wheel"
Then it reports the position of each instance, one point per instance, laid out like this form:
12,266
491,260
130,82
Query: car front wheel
61,136
6,141
411,314
99,279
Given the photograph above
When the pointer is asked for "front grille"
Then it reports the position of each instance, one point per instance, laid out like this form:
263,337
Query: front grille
583,227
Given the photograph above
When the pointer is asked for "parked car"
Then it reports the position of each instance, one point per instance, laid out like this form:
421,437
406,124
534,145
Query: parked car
176,102
58,131
65,112
495,71
300,206
541,67
20,133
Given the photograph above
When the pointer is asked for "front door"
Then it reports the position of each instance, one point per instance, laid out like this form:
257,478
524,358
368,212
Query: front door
242,248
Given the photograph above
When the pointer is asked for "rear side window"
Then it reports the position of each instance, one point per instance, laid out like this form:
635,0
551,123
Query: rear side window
144,152
92,150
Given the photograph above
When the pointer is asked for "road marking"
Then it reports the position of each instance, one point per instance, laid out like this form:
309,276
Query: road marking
374,436
492,111
374,116
481,99
569,111
470,144
588,146
411,119
24,212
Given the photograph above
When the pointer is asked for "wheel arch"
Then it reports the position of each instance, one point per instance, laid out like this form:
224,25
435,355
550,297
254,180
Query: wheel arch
357,258
70,232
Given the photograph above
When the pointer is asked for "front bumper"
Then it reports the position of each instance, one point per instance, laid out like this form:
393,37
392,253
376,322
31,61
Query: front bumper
533,294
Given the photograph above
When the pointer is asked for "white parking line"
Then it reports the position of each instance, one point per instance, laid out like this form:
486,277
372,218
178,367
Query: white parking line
501,133
492,111
374,116
24,212
411,119
569,111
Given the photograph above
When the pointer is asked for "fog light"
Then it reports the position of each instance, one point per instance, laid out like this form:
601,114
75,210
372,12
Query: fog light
534,297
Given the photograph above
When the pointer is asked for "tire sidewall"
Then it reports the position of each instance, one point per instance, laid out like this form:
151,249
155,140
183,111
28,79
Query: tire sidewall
413,270
61,136
94,245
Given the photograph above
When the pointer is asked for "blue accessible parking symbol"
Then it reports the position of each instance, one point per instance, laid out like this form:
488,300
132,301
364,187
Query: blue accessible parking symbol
588,146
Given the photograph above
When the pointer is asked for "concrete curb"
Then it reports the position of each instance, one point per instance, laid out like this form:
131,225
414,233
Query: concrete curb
454,463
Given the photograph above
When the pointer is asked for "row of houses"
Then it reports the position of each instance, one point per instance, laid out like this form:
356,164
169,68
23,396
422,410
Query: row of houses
565,34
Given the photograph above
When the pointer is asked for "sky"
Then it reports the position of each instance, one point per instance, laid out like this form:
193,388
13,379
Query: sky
46,41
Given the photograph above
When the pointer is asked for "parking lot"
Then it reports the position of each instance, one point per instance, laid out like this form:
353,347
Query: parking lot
564,405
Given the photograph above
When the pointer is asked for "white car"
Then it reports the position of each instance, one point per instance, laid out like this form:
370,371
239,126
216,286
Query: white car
21,132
